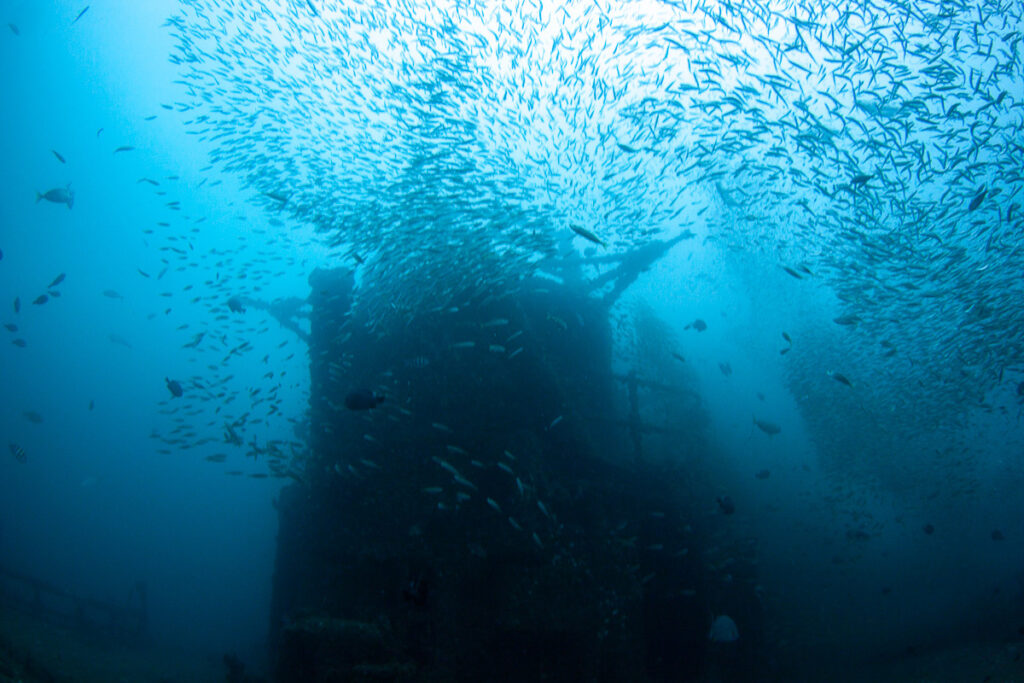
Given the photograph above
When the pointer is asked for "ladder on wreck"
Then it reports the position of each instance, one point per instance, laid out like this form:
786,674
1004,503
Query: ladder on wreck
632,422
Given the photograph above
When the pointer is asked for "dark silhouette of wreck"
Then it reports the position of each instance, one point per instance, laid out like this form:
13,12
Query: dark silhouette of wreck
515,510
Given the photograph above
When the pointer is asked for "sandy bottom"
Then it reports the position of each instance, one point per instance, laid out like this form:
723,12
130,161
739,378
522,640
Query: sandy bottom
35,651
981,662
968,663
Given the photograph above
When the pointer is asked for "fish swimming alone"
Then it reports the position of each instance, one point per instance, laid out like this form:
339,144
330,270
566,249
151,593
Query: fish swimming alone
58,195
842,379
587,235
18,452
119,340
769,428
80,15
174,386
363,399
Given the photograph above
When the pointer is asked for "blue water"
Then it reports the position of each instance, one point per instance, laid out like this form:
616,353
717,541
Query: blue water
892,515
96,507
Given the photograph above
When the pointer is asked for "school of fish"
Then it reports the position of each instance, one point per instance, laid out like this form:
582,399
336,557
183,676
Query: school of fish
874,148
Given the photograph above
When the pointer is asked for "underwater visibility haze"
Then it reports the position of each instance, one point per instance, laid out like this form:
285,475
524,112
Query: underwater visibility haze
429,341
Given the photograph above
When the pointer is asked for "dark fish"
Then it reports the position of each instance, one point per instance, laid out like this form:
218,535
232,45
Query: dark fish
20,343
58,195
41,299
1,254
277,196
235,305
174,387
848,319
142,272
53,293
124,148
786,337
725,368
586,234
111,294
312,8
763,474
698,325
726,505
196,338
33,417
792,272
842,379
860,178
678,357
17,304
978,199
98,131
997,535
14,29
769,428
56,281
364,399
929,529
92,404
18,452
80,15
11,327
59,157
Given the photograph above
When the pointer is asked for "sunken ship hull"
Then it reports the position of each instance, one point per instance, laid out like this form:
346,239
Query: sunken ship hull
507,513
